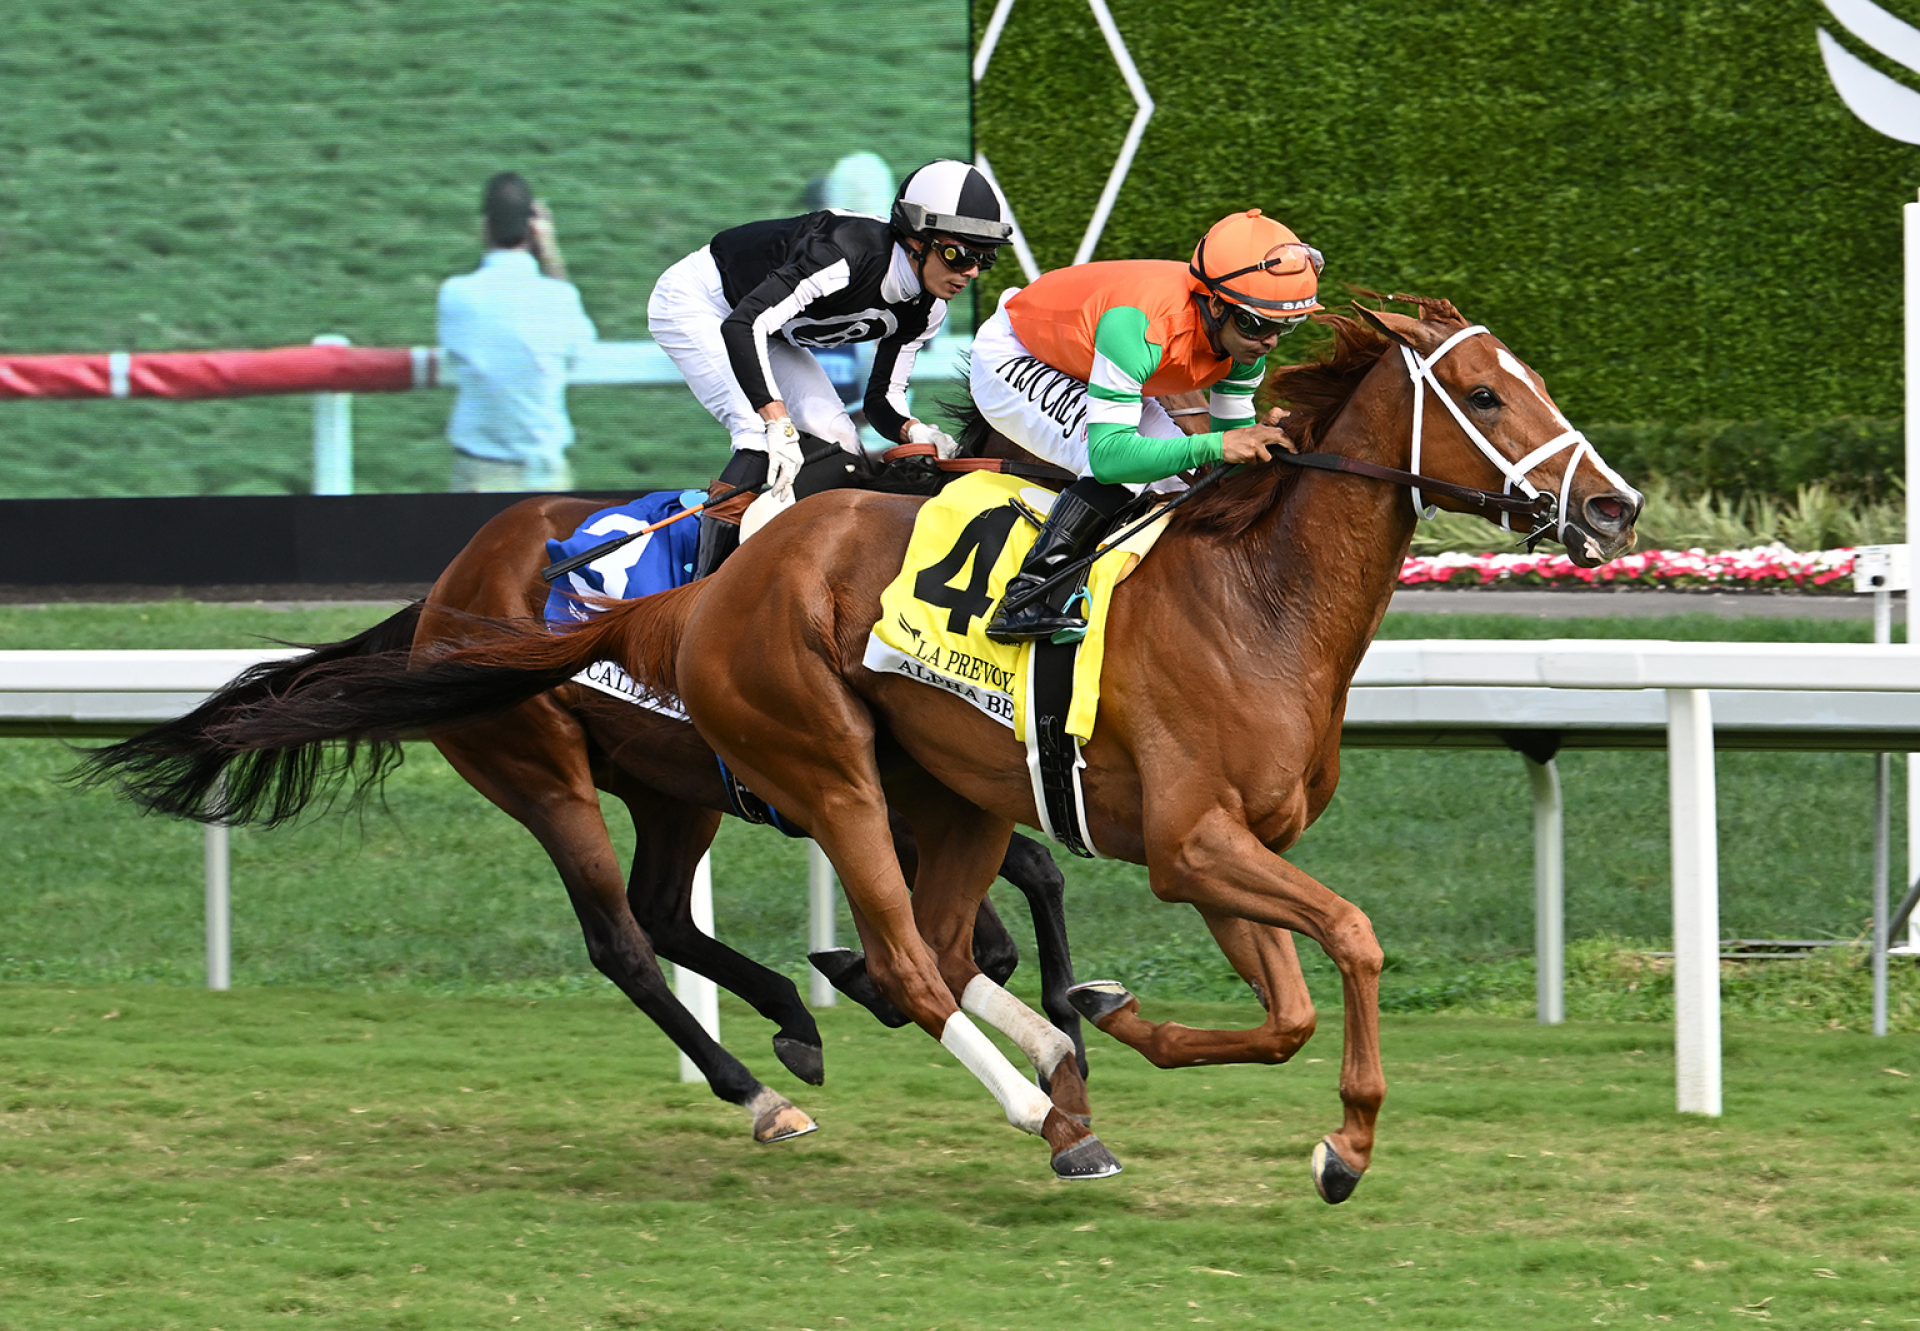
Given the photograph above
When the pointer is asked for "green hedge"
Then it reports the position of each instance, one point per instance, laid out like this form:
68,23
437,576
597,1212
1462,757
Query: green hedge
1663,206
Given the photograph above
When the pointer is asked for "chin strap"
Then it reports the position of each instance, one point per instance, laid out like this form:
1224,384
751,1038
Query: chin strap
1211,324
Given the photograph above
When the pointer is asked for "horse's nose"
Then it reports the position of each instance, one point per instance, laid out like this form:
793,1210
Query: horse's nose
1612,513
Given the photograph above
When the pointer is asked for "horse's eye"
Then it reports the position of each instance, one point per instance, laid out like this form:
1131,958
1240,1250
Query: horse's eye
1483,399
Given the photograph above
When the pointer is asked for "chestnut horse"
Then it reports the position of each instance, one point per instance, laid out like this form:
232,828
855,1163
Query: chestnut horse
543,763
1231,649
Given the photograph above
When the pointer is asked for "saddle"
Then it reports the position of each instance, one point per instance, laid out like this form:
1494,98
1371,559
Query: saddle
917,469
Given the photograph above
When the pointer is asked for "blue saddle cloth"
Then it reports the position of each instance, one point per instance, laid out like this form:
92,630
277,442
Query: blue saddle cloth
641,567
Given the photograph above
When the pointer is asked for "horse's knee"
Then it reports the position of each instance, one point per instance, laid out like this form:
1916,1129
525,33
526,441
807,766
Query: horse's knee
1353,947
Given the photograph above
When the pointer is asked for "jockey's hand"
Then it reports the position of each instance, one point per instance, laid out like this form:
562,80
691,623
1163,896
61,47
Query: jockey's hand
1252,443
919,432
783,456
1275,416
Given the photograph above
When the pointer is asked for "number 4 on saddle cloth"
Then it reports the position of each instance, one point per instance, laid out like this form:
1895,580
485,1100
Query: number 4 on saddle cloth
967,543
653,563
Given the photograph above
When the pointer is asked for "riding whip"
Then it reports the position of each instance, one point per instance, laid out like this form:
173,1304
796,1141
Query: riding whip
585,557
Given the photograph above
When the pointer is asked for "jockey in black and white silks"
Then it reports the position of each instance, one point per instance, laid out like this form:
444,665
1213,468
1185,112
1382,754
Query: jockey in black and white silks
738,314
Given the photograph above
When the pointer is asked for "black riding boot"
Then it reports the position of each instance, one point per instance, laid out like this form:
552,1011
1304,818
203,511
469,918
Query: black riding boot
1080,517
718,539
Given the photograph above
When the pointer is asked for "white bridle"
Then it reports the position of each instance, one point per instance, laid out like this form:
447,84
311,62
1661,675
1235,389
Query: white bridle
1420,372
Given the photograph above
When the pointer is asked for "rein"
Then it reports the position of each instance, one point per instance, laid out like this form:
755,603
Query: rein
1540,507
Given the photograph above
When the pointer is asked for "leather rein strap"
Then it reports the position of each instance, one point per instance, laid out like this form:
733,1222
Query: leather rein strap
1032,471
1539,507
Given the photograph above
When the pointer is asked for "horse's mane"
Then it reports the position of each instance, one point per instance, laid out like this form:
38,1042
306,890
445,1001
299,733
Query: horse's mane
1314,394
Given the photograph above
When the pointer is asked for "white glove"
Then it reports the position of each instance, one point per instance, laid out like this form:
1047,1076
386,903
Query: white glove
783,456
919,432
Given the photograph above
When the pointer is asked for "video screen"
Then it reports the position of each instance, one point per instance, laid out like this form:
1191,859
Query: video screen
220,175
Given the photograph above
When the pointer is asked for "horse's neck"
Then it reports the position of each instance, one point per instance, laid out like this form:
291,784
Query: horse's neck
1325,559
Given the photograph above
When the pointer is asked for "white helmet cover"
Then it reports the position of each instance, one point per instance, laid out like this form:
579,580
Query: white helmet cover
950,198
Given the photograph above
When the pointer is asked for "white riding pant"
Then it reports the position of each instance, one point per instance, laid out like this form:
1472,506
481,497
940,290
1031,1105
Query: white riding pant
684,315
1042,409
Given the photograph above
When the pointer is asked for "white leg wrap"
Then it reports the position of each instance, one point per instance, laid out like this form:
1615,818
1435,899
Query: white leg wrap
1026,1107
1038,1038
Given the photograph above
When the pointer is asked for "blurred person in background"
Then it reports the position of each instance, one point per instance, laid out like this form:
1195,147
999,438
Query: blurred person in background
739,315
509,330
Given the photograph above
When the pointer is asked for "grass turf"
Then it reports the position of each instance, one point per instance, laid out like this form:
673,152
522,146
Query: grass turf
186,1160
224,173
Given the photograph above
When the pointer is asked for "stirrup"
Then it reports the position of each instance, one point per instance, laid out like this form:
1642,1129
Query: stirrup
1037,621
1084,599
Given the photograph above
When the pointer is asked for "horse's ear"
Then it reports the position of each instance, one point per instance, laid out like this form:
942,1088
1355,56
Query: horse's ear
1393,327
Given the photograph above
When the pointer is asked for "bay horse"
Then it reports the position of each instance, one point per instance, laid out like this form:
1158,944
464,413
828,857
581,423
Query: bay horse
1231,649
543,762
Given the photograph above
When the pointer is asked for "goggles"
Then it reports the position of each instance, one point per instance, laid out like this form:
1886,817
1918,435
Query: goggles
959,258
1252,327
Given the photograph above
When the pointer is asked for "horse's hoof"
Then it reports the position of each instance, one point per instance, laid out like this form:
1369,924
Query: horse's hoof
846,970
1333,1178
1097,1000
1086,1158
805,1061
782,1122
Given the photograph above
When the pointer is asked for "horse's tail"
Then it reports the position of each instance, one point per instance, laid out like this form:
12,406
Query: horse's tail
178,768
261,749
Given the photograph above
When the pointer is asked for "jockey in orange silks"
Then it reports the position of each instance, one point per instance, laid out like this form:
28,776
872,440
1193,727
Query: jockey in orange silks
1069,367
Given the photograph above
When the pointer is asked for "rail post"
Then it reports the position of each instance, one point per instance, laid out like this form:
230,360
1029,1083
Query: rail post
1696,901
219,870
820,903
698,994
332,434
1911,215
1549,893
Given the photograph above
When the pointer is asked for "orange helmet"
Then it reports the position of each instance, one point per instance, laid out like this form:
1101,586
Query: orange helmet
1256,263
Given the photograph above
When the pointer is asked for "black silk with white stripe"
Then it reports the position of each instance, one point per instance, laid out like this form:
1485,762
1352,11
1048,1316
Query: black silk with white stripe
823,280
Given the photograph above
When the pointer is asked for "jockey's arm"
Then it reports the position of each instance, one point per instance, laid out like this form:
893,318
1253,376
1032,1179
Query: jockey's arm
1123,361
758,317
886,398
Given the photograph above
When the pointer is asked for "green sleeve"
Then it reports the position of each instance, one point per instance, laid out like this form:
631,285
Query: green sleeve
1123,361
1230,404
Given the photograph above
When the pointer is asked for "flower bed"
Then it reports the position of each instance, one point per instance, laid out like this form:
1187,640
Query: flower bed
1768,567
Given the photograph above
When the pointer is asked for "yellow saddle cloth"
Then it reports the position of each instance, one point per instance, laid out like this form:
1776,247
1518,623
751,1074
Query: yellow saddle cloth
967,544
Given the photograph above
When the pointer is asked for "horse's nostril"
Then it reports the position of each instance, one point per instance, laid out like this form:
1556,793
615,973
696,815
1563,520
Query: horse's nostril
1608,512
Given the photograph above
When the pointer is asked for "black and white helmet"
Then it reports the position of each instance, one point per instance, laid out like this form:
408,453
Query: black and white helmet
949,198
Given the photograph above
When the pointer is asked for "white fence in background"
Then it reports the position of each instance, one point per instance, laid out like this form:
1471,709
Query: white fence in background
1686,697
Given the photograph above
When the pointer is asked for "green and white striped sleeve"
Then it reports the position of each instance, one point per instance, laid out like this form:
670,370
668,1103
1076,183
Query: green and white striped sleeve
1230,404
1123,361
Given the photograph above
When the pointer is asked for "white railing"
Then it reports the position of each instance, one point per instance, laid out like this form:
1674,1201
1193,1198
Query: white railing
633,363
1687,697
